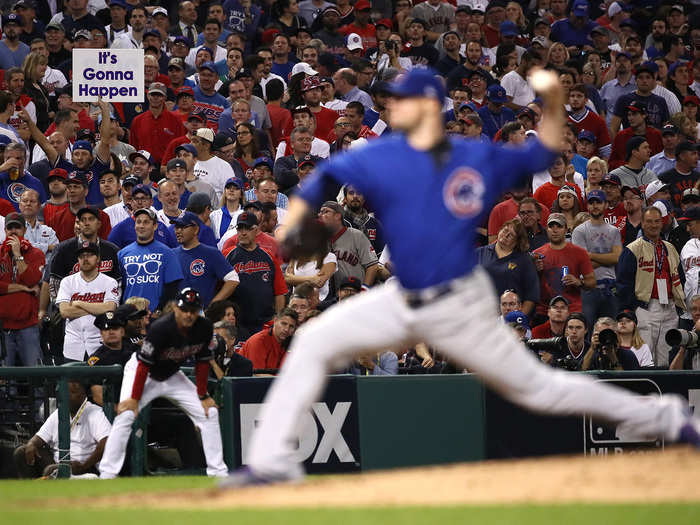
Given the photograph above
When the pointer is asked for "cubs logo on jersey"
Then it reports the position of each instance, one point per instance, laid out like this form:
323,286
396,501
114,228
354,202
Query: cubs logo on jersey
197,267
463,193
15,190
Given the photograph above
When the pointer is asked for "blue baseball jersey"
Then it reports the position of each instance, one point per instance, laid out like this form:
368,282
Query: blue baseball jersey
430,205
124,233
11,190
93,176
203,267
206,234
146,269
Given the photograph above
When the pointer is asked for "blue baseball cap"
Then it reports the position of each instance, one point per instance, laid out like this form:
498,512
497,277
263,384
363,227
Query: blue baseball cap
186,219
517,318
678,63
648,66
267,161
419,83
208,65
119,3
508,28
152,32
189,147
234,181
82,144
141,188
596,194
497,94
182,40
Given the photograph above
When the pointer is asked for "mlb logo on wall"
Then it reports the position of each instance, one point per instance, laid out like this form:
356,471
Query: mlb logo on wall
602,439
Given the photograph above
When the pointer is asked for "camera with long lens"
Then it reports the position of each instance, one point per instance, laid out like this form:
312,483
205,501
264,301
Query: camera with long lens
678,337
607,348
559,348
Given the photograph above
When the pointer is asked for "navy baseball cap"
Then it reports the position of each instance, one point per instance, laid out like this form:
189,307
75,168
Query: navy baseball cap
189,299
351,282
109,320
557,298
419,83
189,147
92,210
496,94
77,176
246,219
627,314
182,40
596,194
82,144
141,188
649,67
131,180
186,219
87,246
639,107
12,18
518,319
691,214
176,163
580,8
611,179
129,312
588,135
253,205
234,181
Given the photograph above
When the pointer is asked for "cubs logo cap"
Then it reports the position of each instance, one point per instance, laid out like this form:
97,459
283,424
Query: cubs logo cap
263,161
496,94
234,181
517,318
186,219
419,83
141,188
189,298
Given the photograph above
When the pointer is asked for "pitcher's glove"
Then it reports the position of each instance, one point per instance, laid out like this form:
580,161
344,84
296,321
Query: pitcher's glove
308,238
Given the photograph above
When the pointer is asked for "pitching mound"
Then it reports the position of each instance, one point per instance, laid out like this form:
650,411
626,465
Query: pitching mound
670,476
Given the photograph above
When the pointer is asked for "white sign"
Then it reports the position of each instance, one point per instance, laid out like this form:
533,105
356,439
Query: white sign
308,442
116,75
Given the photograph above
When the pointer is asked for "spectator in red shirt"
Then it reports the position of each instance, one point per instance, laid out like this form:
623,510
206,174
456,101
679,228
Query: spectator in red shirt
268,348
546,194
265,241
21,266
584,118
559,253
154,129
281,117
615,213
362,25
637,117
193,123
63,221
506,210
495,15
325,118
558,312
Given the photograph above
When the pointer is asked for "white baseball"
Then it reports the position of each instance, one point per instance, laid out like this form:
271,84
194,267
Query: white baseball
542,80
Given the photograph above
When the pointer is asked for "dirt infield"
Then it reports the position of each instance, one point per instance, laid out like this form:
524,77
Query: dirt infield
670,476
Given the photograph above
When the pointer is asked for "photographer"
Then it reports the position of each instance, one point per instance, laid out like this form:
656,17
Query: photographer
686,357
564,353
605,352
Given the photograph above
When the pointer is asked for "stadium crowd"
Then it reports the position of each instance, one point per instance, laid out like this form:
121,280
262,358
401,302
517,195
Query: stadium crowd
107,211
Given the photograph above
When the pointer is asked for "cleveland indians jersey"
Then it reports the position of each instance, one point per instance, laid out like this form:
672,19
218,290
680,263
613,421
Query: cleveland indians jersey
82,336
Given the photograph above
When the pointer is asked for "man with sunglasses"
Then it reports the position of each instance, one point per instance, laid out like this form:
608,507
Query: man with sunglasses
149,268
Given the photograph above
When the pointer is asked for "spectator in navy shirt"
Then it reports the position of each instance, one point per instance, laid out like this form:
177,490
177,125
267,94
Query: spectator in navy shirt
199,206
510,265
494,114
657,110
124,233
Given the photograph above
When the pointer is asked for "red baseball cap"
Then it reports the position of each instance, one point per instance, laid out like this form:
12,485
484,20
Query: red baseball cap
362,5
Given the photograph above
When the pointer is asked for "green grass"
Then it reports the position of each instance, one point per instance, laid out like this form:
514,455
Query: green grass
29,502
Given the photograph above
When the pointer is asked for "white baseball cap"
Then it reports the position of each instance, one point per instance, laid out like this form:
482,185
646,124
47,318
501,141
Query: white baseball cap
614,8
300,67
653,188
205,134
354,42
661,207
